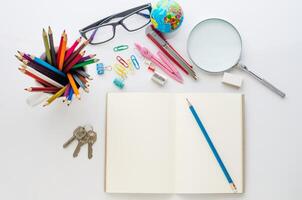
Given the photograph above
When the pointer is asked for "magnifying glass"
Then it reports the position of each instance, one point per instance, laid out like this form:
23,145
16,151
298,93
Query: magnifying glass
215,45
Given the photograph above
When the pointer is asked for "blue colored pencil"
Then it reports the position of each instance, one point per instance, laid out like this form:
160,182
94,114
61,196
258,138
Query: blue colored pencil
48,66
81,84
70,94
208,139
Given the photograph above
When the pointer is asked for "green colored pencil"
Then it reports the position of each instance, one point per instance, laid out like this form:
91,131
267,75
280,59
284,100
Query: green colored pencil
46,45
87,62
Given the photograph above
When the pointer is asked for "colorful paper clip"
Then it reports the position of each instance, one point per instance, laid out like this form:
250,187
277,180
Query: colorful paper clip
100,68
135,62
119,83
120,70
122,61
120,48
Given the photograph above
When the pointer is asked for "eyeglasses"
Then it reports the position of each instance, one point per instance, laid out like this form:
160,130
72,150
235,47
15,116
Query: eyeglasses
104,30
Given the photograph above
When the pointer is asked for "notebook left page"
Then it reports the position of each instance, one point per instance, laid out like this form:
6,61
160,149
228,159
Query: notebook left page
140,143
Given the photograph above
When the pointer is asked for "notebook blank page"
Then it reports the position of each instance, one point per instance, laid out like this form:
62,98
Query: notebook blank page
196,169
140,143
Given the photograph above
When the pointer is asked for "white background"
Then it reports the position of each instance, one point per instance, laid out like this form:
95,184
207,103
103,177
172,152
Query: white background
33,163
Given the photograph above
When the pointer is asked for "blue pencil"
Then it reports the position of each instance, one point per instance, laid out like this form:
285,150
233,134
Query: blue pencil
70,94
208,139
48,66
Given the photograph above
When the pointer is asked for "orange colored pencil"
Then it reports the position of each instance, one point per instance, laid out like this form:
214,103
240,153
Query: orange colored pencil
62,53
73,85
60,47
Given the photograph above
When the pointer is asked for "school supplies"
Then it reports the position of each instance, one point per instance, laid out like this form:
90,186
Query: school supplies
118,82
153,146
104,30
135,62
122,61
159,78
148,55
61,76
83,135
120,48
158,39
212,147
232,80
215,45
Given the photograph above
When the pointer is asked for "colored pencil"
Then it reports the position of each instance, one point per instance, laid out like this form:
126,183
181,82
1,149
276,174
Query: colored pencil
46,72
74,61
87,58
87,62
60,48
48,66
83,79
42,89
80,83
83,73
52,47
75,53
212,147
36,78
72,48
62,53
55,96
73,85
70,94
66,92
47,48
42,76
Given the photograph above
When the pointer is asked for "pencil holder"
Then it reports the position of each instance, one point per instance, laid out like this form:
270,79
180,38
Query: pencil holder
60,71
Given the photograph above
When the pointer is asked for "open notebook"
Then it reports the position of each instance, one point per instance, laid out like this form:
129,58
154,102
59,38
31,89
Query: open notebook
154,145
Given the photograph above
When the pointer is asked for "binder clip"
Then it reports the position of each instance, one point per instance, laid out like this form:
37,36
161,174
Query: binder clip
100,68
118,82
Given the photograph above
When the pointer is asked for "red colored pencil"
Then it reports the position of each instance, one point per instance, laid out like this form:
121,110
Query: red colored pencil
76,52
72,48
74,61
38,79
42,89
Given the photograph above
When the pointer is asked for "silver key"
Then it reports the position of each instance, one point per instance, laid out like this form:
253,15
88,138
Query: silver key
78,133
81,142
92,139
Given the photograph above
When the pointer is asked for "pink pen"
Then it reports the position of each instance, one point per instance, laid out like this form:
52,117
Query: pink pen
148,55
165,60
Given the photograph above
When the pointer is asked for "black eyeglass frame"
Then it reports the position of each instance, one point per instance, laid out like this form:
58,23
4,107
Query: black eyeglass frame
124,15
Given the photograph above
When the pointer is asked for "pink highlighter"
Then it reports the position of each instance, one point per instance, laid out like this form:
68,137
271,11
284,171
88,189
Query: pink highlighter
167,67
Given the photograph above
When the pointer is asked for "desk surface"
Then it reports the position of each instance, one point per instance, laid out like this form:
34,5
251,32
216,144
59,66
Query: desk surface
35,166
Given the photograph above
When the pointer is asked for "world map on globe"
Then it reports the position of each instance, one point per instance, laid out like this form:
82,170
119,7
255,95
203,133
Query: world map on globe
167,16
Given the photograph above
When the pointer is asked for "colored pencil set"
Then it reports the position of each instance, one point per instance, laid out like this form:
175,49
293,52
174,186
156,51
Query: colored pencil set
60,71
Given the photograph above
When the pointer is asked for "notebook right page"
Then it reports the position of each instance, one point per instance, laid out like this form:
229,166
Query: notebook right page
197,170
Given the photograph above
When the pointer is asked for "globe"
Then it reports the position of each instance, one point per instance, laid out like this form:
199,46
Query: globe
166,16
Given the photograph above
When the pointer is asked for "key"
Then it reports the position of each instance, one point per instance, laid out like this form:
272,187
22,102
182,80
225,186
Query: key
78,133
81,142
92,139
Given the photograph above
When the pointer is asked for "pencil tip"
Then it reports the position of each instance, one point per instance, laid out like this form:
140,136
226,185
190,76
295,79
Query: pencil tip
188,102
233,187
46,104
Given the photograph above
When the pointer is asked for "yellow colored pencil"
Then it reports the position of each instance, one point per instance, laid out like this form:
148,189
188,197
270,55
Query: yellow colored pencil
62,53
47,48
73,85
55,96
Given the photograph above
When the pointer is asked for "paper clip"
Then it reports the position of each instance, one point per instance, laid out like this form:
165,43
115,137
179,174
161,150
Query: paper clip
100,68
120,48
120,70
119,83
122,61
135,62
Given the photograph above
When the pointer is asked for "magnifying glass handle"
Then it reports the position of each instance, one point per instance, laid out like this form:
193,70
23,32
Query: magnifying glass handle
263,81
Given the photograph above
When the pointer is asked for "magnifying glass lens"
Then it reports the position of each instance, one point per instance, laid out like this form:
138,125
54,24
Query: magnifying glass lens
214,45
